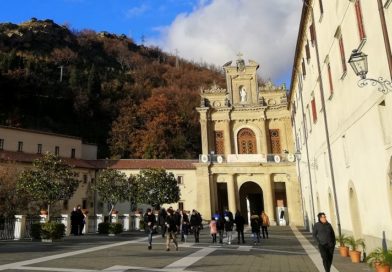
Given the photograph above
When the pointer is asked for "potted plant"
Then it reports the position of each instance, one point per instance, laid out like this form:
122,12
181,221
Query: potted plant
380,259
343,248
354,244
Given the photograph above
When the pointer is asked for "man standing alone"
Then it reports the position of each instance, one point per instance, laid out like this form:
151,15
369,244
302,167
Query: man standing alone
325,236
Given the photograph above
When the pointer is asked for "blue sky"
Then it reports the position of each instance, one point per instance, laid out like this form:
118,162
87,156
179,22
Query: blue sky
212,31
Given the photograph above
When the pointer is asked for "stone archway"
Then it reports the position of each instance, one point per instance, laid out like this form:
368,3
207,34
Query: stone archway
251,199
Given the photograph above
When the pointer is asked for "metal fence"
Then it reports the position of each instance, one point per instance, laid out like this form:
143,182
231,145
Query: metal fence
7,228
30,220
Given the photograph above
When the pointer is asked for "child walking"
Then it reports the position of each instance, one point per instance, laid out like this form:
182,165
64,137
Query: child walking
213,229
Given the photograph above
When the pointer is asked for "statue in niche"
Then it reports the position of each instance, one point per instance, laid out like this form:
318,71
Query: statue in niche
243,94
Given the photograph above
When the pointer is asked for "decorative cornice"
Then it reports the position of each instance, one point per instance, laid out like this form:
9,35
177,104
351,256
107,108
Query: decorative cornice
215,89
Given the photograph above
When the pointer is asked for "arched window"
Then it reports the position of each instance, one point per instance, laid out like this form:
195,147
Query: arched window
246,141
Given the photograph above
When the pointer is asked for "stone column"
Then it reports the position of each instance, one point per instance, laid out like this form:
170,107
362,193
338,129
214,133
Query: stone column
67,223
204,136
264,137
269,196
20,227
99,220
126,222
204,192
231,193
227,137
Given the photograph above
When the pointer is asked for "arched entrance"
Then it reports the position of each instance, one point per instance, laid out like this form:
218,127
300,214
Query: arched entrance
354,211
251,199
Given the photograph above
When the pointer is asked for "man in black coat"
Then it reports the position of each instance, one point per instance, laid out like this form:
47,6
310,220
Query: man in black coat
325,236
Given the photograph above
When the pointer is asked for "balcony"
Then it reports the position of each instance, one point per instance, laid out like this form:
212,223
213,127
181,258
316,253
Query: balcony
248,158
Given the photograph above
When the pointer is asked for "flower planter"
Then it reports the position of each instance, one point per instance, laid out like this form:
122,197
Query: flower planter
344,251
355,256
382,268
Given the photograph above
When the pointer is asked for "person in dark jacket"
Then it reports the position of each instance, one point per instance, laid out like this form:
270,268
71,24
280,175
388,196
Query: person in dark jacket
150,225
220,226
161,221
325,236
172,228
74,222
195,223
239,221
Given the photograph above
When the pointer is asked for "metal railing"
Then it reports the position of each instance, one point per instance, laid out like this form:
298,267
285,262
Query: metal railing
248,158
7,228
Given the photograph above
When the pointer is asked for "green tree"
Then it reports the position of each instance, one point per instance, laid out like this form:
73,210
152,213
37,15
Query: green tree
156,187
10,203
49,180
113,187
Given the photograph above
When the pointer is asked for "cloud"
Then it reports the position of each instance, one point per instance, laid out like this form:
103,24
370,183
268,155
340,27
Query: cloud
136,11
216,31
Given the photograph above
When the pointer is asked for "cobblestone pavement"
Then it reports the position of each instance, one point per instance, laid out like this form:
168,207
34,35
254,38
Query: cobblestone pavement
288,249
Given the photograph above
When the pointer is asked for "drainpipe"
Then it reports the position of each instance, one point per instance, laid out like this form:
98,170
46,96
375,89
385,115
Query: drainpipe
385,35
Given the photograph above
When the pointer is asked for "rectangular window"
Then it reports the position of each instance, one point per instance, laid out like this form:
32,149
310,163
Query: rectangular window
1,144
358,13
65,204
73,153
314,111
303,68
312,34
309,119
57,150
330,79
219,142
84,178
39,149
181,205
307,50
20,146
180,180
321,7
342,55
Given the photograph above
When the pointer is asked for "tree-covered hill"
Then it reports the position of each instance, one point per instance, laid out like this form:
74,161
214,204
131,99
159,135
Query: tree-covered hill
133,101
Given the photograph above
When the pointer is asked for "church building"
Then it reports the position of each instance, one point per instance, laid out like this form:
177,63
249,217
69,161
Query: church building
247,161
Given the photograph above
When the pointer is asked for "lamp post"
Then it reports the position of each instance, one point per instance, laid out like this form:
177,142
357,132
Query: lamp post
359,63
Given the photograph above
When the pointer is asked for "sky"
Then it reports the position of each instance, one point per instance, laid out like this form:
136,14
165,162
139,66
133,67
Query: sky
210,31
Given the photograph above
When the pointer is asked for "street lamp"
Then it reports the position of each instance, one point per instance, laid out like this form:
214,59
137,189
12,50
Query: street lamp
358,62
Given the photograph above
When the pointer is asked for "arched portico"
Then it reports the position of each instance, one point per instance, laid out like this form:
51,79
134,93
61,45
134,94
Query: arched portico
251,199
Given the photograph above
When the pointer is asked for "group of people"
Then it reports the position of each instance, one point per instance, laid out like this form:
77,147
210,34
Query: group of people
77,221
171,223
224,222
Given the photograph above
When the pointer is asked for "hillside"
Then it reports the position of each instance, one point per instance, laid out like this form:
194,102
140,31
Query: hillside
133,101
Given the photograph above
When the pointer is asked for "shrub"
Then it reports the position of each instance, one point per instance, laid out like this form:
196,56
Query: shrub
52,230
103,228
35,231
116,228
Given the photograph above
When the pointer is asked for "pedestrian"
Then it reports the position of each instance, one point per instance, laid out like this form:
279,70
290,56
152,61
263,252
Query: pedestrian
185,226
239,221
265,223
220,226
255,226
149,226
172,228
213,229
80,220
229,222
195,223
161,221
74,222
325,236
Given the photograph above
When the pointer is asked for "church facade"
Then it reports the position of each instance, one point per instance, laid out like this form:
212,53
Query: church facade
247,161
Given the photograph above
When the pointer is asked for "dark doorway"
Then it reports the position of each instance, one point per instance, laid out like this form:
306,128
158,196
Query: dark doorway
222,197
251,191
